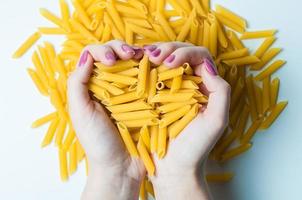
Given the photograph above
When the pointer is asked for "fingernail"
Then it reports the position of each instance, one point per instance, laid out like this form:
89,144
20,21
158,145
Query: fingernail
170,58
156,53
110,56
149,47
127,49
210,67
83,58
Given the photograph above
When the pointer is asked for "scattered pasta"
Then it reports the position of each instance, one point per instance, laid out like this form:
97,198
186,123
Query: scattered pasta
166,100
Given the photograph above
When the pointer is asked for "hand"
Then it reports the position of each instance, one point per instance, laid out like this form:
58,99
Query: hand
113,174
178,173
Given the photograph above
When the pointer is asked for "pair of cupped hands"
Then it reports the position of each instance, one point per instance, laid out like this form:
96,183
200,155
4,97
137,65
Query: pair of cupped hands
113,173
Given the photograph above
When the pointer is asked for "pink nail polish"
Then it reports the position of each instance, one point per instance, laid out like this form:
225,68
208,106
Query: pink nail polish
170,58
156,53
110,56
83,58
127,49
210,67
149,47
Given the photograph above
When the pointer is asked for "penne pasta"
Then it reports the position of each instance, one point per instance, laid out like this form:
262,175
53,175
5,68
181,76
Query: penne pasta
26,45
175,97
270,70
235,152
63,165
50,132
219,178
171,117
153,139
258,34
144,69
134,115
144,155
264,46
232,16
141,122
247,60
266,58
274,90
276,111
162,142
127,107
127,139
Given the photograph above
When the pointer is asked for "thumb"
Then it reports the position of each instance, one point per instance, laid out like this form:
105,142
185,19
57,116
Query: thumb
219,93
78,95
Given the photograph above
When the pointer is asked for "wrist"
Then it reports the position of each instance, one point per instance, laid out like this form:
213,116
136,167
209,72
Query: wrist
181,184
110,184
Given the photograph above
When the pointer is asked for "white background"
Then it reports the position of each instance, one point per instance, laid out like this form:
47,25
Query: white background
271,170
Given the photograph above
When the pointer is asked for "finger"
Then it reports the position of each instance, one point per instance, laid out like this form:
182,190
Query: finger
163,50
77,90
102,53
192,55
219,94
139,52
121,49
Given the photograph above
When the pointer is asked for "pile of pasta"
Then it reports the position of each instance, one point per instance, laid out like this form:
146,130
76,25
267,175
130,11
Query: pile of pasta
254,98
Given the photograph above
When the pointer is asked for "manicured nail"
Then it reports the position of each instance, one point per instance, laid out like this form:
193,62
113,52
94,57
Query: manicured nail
170,58
210,67
110,56
83,58
156,53
127,49
149,47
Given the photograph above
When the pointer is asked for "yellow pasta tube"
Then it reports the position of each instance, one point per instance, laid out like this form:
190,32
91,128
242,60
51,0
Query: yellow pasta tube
266,83
43,120
175,97
259,103
169,74
179,125
250,132
264,46
144,68
251,97
162,142
128,35
225,143
166,26
127,139
195,79
50,132
234,54
152,84
73,161
236,43
270,70
82,14
235,152
243,119
139,22
186,27
51,17
194,31
176,84
39,84
171,117
26,45
219,178
153,138
276,111
231,16
247,60
40,69
98,91
106,33
127,11
258,34
198,6
174,106
144,134
111,8
144,32
63,165
51,31
60,132
129,72
69,139
82,30
266,58
213,39
206,34
229,23
236,94
124,98
146,158
127,107
274,90
104,84
106,76
142,191
185,84
134,115
119,66
141,122
64,12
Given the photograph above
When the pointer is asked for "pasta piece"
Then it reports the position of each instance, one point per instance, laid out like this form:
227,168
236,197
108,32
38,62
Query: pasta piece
133,106
152,84
266,58
270,70
82,30
127,139
243,121
50,132
165,24
259,103
64,12
144,155
82,14
235,152
206,34
195,79
274,90
264,46
129,72
98,91
169,74
186,27
176,84
60,132
124,98
153,139
111,8
129,36
104,84
247,60
51,31
73,161
250,132
175,97
213,39
54,19
179,125
198,6
276,111
144,134
229,23
174,106
144,69
106,76
185,84
234,54
63,165
141,122
143,31
39,84
237,92
251,97
258,34
266,83
142,191
162,142
43,120
134,115
69,139
171,117
235,40
26,45
119,66
232,16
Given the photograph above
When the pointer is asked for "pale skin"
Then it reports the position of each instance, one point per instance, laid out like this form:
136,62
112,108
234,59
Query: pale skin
113,174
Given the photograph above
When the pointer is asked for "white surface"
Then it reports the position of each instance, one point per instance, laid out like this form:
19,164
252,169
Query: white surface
271,170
